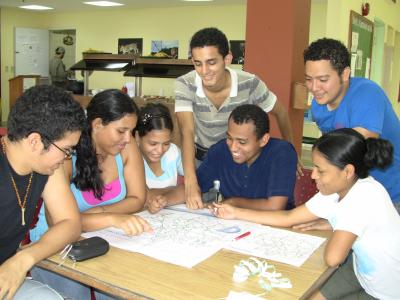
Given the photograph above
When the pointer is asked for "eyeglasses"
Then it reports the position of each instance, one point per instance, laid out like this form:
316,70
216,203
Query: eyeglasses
68,153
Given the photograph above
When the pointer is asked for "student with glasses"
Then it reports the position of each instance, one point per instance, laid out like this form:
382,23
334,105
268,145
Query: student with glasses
68,153
31,167
107,179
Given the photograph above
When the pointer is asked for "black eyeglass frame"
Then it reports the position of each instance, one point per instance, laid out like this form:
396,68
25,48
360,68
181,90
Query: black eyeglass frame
68,153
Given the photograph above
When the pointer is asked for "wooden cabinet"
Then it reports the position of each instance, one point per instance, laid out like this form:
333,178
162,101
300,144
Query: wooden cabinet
19,84
83,100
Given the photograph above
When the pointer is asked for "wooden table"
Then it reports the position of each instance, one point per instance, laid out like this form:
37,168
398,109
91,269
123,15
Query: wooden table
136,276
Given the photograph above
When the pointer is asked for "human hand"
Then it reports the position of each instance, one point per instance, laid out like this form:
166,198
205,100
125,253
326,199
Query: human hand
320,224
224,211
193,196
131,224
12,274
156,203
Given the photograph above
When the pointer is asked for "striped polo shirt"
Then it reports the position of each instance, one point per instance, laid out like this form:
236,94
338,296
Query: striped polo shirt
211,123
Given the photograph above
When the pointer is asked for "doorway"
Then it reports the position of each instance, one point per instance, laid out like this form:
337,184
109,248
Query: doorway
63,38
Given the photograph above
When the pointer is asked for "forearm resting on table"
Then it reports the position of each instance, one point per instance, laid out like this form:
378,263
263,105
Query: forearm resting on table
272,203
58,235
173,195
281,218
96,221
129,205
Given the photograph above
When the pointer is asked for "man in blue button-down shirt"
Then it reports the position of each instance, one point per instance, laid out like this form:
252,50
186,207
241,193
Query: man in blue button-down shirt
255,171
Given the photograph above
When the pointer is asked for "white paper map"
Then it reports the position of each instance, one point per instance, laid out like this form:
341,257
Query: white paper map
180,238
186,239
278,244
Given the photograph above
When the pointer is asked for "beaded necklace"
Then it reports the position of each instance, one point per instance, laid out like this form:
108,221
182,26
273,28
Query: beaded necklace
22,204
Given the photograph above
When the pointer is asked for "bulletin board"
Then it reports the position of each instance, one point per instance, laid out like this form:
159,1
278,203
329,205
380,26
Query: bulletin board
361,34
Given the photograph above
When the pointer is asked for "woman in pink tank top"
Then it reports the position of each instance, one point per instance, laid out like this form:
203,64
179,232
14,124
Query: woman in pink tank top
108,164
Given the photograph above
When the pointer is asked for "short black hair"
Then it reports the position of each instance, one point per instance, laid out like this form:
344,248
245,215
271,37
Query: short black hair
48,110
328,49
210,36
251,113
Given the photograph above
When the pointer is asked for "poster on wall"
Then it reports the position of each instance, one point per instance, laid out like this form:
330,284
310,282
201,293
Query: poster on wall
130,46
238,51
165,49
361,35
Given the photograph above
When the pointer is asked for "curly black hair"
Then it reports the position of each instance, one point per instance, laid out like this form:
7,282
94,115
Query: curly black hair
251,113
109,105
154,116
210,36
47,110
328,49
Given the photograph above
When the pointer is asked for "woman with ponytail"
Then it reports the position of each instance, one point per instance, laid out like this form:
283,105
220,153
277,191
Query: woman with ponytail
360,213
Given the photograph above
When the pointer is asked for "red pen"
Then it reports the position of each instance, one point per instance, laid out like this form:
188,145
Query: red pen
242,235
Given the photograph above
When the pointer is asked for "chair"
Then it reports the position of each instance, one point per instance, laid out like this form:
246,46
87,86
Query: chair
3,131
305,188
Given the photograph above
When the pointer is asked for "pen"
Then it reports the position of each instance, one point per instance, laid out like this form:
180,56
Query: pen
242,235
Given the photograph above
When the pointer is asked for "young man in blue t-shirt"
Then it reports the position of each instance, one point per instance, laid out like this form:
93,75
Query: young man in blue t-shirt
341,101
255,171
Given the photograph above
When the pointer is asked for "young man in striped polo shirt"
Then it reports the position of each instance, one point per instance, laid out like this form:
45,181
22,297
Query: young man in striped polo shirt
205,97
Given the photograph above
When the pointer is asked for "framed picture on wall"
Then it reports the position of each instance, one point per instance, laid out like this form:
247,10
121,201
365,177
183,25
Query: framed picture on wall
130,46
165,49
361,33
238,51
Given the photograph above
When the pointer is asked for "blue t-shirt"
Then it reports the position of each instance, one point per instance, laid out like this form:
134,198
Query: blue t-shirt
273,173
366,105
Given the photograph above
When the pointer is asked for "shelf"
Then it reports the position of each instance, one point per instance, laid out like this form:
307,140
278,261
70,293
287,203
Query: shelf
160,68
132,65
104,62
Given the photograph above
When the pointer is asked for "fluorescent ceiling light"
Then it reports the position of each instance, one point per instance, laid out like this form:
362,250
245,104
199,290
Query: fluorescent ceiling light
36,7
116,65
103,3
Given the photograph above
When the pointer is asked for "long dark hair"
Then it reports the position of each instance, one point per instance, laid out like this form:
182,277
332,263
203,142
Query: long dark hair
347,146
154,116
109,105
